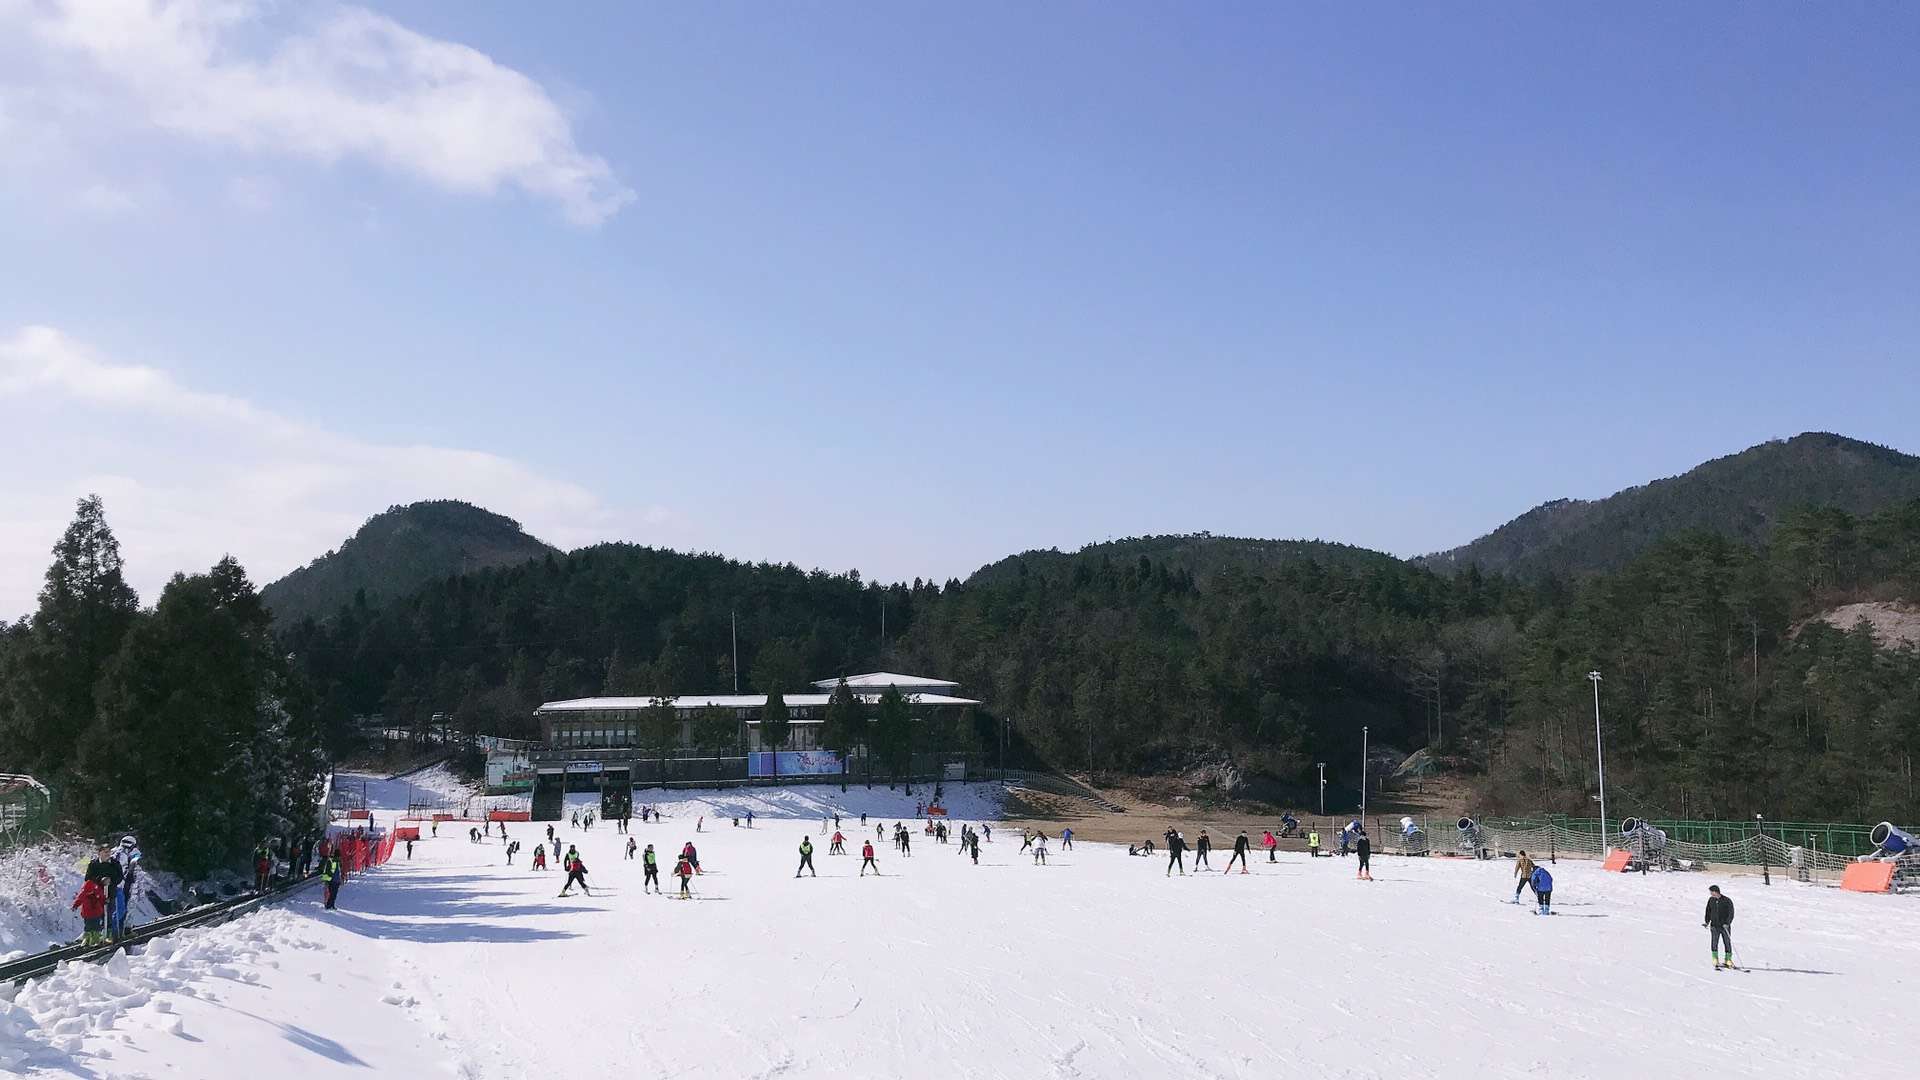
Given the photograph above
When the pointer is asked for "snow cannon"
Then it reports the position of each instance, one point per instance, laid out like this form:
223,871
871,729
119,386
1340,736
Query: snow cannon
1643,832
1890,839
1407,827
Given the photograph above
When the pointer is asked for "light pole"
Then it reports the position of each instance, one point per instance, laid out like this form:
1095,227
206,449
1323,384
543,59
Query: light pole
1600,755
1323,787
1363,775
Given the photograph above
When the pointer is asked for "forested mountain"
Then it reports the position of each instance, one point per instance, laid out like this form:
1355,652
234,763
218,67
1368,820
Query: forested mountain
1201,554
1739,496
396,552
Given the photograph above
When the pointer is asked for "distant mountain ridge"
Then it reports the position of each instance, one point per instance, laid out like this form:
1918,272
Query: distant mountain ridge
398,551
1200,554
1740,496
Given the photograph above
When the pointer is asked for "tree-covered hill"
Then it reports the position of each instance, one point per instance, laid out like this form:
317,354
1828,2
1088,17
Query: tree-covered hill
1200,554
396,552
1740,496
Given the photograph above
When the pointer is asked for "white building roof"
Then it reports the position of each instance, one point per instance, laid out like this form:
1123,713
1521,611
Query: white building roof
731,701
880,680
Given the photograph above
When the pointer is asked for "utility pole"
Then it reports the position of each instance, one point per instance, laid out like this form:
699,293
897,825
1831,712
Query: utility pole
1006,732
1323,787
1600,756
735,617
1363,774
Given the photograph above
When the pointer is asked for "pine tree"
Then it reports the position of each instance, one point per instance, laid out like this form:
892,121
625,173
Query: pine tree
776,727
844,727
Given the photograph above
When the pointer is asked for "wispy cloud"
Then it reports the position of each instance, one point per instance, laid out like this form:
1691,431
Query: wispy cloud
189,475
339,82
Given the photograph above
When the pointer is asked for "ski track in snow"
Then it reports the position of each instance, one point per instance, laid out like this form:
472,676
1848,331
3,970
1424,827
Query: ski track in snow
1097,966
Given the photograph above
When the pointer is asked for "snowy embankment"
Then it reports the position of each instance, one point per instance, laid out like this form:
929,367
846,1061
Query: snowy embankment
1096,965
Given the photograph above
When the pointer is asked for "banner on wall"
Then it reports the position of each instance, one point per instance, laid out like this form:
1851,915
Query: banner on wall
795,763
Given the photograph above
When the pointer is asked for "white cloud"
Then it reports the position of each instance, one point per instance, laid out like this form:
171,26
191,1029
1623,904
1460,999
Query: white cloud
104,199
344,83
190,475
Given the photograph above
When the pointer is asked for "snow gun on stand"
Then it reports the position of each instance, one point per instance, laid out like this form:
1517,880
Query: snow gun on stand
1289,825
1891,841
1413,839
1647,844
1472,837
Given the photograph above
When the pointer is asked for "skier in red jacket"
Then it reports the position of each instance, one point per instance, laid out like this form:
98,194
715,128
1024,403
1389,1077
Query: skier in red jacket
866,859
91,903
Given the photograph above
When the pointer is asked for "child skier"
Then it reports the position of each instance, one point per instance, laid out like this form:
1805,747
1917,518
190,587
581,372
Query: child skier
836,847
866,859
684,871
1542,883
576,871
632,846
806,857
1719,923
539,857
1364,848
91,903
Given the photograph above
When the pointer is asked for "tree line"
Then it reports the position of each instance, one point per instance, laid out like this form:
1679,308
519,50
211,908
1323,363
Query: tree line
182,722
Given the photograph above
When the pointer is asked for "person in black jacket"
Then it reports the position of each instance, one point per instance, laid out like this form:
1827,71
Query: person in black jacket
1240,846
104,869
1364,847
1176,846
1200,850
1719,924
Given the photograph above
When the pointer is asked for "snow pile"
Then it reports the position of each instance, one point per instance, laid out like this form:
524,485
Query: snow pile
37,886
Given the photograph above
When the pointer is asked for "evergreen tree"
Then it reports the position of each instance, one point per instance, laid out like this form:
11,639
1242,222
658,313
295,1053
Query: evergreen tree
86,608
844,726
776,727
893,732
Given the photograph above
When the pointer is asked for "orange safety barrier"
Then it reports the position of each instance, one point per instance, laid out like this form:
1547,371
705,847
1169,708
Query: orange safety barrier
407,832
443,817
509,815
1616,860
360,815
936,811
1867,877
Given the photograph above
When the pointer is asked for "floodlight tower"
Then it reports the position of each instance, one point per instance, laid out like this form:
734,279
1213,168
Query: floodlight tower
1600,755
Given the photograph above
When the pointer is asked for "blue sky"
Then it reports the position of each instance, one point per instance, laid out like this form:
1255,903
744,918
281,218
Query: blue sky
910,290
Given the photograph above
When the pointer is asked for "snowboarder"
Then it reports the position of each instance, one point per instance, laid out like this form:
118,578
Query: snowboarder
1523,873
651,864
330,879
1240,846
1364,848
1719,924
1267,841
806,857
632,846
576,872
1542,883
1176,846
1313,845
1200,852
91,903
866,859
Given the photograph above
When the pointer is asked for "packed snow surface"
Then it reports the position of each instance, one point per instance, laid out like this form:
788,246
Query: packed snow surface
1095,965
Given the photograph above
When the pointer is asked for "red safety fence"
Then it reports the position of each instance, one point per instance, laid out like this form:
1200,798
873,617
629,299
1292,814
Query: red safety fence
359,852
406,832
509,815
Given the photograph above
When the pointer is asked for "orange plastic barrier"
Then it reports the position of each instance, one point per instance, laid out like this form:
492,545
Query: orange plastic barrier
936,811
509,815
443,817
1616,860
358,815
1868,877
407,832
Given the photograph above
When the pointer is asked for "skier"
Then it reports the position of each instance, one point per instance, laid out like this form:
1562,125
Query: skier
651,864
1542,883
1066,839
906,842
1523,872
129,859
975,845
837,846
576,871
91,903
1719,924
1026,839
1176,845
1313,844
806,857
701,825
539,857
863,820
1200,851
1240,846
330,879
1267,841
1040,850
409,849
549,832
1364,848
691,856
863,817
103,869
632,846
866,859
511,849
262,866
684,871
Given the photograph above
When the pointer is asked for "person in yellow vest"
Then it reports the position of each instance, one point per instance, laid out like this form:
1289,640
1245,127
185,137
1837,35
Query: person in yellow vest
1313,845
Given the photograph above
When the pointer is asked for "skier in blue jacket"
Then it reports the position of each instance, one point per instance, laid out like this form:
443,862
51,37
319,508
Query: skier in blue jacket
1542,883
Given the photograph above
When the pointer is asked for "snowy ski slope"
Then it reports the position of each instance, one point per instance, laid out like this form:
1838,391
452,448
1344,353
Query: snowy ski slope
1094,966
